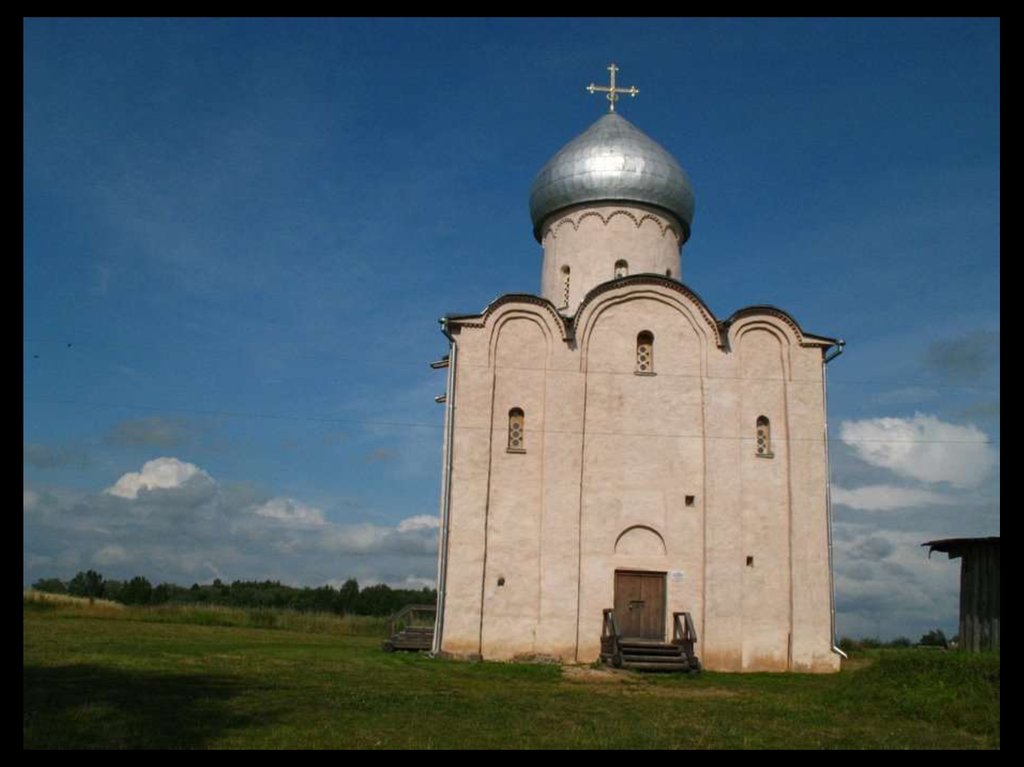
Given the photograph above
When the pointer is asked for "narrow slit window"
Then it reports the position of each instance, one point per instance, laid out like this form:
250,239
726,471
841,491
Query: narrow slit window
621,268
645,352
764,437
516,430
565,286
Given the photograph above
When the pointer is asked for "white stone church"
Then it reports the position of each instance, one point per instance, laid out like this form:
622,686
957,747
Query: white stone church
611,444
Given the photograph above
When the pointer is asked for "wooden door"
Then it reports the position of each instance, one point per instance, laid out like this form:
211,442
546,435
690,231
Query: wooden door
640,604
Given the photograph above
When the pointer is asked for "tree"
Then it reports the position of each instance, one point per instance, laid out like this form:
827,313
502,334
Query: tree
347,596
50,586
112,590
88,584
377,600
169,592
138,591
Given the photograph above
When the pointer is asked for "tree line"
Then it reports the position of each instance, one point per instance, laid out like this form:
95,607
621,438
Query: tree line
379,599
934,638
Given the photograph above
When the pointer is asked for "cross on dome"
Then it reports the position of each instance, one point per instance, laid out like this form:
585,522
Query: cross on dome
611,90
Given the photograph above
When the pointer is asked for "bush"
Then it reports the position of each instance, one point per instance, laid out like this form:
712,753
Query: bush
934,638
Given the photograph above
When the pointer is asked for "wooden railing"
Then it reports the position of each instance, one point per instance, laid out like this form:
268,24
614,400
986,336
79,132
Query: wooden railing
610,638
684,633
412,616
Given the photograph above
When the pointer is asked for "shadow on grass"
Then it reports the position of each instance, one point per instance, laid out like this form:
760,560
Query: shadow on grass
86,706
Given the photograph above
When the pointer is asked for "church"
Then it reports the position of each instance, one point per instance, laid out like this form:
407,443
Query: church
611,448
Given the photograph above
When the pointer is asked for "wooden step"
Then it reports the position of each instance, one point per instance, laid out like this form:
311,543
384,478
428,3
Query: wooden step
409,640
626,659
683,666
634,649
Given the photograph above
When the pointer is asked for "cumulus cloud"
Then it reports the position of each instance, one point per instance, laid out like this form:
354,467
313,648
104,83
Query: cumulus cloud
874,548
111,555
922,448
290,510
412,582
172,521
419,522
158,473
887,497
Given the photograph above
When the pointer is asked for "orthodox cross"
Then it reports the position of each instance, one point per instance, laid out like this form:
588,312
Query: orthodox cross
612,91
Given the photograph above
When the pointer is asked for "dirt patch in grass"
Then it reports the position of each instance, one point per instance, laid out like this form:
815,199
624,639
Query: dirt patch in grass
640,684
590,674
692,692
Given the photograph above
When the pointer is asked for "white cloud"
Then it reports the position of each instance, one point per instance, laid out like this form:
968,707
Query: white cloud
359,538
887,497
290,510
922,448
412,582
111,555
158,473
419,522
172,522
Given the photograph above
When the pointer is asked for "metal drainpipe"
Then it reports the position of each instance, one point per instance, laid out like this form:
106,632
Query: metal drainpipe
828,495
446,493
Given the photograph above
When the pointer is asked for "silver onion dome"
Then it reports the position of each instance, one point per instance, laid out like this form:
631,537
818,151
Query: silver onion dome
612,160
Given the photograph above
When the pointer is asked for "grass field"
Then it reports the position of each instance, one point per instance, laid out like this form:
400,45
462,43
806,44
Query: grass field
102,677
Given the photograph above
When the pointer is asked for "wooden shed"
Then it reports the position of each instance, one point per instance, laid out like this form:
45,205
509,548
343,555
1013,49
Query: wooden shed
979,589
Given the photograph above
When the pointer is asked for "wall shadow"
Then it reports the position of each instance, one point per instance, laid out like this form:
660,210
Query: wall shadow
89,706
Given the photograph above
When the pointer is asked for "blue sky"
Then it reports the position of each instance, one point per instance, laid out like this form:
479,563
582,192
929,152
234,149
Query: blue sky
240,234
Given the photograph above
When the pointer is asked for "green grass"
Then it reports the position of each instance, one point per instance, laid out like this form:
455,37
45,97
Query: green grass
116,681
